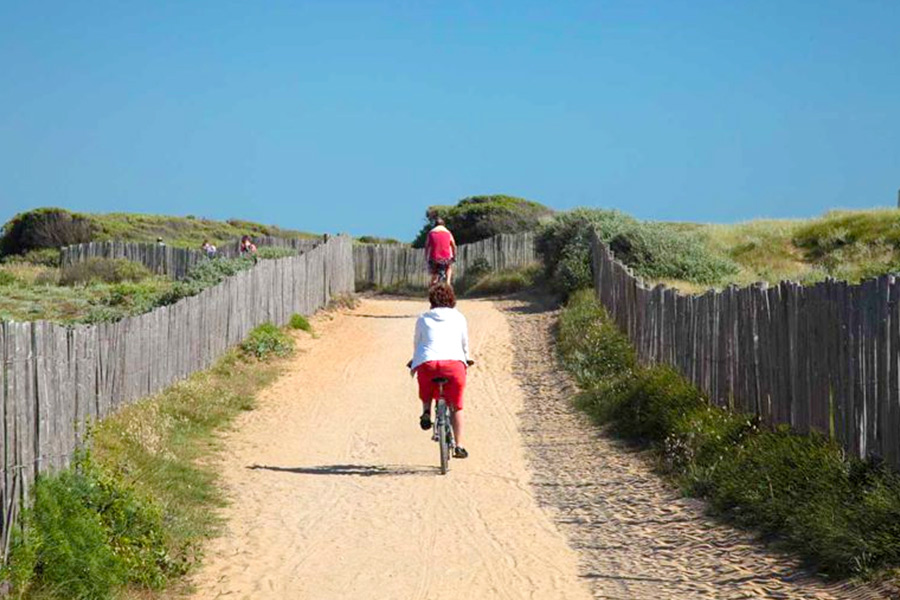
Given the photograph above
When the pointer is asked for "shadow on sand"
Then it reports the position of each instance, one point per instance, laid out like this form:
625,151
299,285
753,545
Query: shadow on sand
358,470
368,316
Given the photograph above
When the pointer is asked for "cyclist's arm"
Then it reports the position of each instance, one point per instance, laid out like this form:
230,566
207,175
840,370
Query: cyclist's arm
453,245
465,338
418,339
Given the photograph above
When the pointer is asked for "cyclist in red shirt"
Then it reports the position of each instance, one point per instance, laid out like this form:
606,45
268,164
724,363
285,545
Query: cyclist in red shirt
440,251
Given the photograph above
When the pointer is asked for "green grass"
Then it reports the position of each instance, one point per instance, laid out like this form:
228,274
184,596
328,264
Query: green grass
132,519
298,321
842,516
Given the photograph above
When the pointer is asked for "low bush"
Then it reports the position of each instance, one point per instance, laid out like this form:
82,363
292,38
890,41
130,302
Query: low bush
103,270
590,345
7,278
267,340
653,250
88,533
44,228
842,515
373,239
204,275
298,321
270,252
45,257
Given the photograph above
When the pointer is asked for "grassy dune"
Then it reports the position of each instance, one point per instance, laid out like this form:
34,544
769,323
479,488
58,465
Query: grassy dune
189,231
843,244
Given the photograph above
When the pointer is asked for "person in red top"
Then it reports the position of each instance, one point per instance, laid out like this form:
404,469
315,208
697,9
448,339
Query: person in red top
440,251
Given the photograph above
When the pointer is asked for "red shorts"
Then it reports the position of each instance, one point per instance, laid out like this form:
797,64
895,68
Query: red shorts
453,370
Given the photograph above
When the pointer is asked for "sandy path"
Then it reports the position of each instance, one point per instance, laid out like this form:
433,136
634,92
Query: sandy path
335,493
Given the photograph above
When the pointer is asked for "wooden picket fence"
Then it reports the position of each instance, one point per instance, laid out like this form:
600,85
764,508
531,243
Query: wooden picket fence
386,265
824,357
55,380
169,260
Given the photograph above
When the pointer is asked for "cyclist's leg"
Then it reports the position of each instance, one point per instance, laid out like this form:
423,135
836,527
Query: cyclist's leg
433,271
424,373
457,422
455,371
450,274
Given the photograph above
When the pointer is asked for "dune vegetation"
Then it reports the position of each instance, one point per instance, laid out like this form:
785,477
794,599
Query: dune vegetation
842,244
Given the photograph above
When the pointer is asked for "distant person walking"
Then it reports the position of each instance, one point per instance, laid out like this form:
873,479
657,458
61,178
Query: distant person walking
248,248
440,251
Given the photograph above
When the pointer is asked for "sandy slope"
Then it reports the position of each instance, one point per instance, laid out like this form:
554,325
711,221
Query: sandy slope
335,492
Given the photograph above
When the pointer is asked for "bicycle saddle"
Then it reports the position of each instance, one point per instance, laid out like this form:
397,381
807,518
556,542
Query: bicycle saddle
440,380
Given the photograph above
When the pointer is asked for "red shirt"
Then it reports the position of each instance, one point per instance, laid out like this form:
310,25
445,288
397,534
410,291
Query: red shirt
439,240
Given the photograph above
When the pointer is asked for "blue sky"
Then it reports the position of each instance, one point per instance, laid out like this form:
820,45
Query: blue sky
354,116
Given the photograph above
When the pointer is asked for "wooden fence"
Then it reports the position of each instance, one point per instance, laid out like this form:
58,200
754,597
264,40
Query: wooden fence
54,380
169,260
384,265
824,357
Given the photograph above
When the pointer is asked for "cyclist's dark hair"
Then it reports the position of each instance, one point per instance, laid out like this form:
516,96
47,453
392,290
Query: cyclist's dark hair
441,296
439,221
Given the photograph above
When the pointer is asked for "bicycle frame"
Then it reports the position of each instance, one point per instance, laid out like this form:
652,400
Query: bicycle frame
443,430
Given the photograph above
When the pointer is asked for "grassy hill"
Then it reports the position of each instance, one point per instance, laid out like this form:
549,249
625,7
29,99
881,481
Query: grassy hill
843,244
54,227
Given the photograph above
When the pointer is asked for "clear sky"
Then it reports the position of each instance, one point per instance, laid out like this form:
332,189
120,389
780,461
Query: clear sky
354,116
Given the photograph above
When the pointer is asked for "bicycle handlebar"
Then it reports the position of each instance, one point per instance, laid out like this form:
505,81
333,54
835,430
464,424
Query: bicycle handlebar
469,363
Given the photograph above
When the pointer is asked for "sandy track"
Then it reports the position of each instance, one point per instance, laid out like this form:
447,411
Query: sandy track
334,488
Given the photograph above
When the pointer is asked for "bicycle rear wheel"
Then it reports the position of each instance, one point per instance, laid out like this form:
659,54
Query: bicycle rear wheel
443,435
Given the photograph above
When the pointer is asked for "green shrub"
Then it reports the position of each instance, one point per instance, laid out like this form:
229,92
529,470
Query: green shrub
373,239
270,252
88,533
590,345
103,270
45,257
7,278
205,274
266,341
653,250
480,217
480,266
655,400
44,228
843,515
298,321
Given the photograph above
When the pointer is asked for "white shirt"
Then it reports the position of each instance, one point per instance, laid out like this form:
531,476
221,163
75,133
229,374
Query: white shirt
441,334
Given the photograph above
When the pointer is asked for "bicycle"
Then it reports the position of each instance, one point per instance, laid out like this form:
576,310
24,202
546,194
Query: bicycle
443,431
438,272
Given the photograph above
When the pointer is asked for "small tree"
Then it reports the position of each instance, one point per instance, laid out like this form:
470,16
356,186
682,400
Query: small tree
480,217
